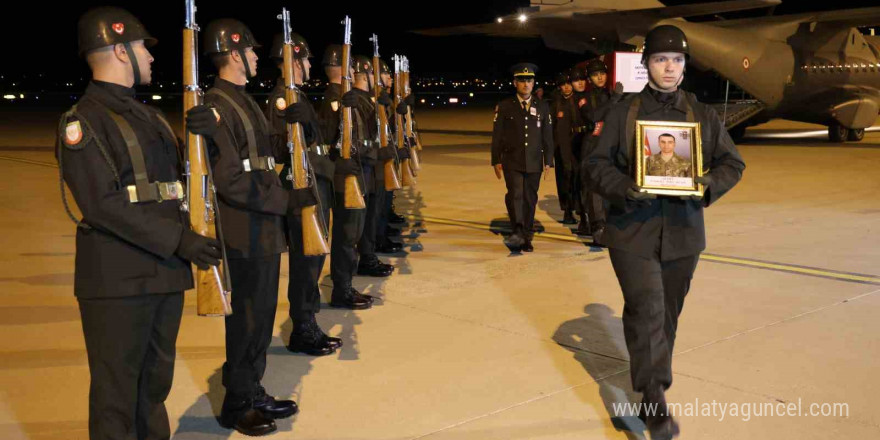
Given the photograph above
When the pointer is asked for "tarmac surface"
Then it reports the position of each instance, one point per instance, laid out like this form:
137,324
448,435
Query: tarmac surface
470,342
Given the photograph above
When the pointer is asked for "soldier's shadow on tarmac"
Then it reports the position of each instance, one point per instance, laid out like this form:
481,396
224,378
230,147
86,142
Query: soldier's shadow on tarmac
596,340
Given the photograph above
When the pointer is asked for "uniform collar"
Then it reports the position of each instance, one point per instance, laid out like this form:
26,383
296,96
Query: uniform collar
228,86
116,97
520,100
651,103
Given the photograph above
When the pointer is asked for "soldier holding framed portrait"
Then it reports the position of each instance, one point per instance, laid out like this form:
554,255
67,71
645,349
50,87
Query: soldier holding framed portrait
655,240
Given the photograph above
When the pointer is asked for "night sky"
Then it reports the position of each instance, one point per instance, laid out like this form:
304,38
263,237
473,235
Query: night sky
42,38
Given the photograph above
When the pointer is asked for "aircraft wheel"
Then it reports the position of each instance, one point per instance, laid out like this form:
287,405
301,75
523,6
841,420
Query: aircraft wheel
856,134
837,133
737,133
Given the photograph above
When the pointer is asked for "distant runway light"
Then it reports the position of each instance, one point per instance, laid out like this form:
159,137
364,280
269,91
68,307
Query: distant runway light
471,94
9,97
453,100
499,20
21,96
423,100
156,98
523,18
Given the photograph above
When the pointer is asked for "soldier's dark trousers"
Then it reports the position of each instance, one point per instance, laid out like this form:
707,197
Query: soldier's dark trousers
249,328
591,200
130,344
384,211
653,293
305,272
348,226
575,181
562,180
521,199
375,200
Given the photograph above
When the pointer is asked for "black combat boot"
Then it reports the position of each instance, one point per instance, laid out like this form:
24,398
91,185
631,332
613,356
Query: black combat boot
239,413
272,408
655,413
343,298
568,218
308,338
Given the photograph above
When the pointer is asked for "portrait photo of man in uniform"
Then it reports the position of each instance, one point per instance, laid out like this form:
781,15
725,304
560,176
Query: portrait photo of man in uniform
669,157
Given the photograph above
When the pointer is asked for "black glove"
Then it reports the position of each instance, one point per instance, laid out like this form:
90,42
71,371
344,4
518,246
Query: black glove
199,250
384,99
297,113
643,199
410,99
300,198
403,153
350,99
347,167
618,88
201,120
402,107
385,153
705,179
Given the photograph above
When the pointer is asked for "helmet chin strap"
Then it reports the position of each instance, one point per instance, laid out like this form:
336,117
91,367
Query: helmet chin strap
135,68
302,67
247,67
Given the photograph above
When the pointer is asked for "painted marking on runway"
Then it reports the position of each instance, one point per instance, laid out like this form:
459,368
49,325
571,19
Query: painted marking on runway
723,259
30,162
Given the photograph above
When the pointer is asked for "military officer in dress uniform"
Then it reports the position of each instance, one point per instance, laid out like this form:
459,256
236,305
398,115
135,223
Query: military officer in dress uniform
366,137
563,109
655,241
599,101
253,205
386,214
667,163
348,224
305,271
119,158
522,148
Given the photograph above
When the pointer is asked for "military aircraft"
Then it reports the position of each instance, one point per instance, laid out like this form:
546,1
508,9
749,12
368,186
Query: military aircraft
812,67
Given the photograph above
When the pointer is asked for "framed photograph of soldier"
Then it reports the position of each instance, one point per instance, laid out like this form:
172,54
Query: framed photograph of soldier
668,158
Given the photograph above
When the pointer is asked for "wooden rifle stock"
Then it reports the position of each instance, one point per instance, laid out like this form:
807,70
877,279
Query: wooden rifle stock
408,178
415,163
354,196
314,229
392,179
212,285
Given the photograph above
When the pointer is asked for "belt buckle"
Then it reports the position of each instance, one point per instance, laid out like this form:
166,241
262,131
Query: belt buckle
271,161
170,190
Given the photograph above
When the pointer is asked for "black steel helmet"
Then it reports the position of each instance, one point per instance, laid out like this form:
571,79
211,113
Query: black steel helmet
665,38
333,55
596,65
383,67
108,26
579,74
563,77
226,35
362,64
300,47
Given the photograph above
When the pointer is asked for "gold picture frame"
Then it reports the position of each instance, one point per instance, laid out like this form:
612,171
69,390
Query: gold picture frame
659,171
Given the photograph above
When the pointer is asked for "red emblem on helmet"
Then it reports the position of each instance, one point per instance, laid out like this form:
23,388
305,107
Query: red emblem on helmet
296,49
236,37
119,28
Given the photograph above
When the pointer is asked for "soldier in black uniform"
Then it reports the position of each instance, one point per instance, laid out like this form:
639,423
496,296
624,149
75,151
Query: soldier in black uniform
655,242
580,126
348,224
386,214
563,109
366,139
252,208
119,159
522,148
304,271
599,102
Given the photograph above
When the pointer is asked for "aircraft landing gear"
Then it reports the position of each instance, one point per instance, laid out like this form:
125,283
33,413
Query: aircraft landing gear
838,133
856,134
737,133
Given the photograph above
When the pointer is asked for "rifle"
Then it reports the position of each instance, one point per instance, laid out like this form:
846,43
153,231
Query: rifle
417,138
392,180
354,196
314,229
212,285
415,163
405,165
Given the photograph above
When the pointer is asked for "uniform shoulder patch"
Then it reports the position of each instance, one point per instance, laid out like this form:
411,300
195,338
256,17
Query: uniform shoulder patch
598,129
334,105
560,115
280,104
73,133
